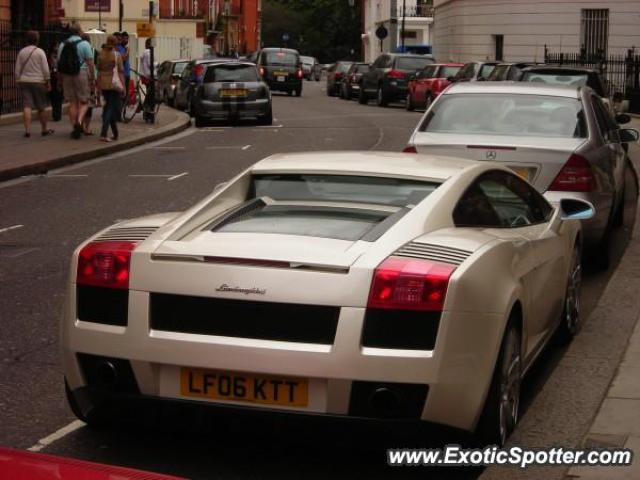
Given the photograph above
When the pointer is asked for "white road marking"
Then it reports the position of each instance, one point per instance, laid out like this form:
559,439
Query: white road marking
49,439
246,147
223,147
14,227
171,179
61,175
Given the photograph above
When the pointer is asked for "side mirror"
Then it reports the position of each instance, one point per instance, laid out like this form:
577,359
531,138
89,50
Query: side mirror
574,209
628,135
622,118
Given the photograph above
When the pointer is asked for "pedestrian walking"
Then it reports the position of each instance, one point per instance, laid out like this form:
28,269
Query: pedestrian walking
75,63
111,83
94,100
33,77
123,50
55,94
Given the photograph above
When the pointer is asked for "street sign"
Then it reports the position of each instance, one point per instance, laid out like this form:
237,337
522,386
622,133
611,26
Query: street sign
382,32
145,29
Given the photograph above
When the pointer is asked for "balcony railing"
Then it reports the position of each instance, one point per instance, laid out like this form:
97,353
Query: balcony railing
419,10
183,10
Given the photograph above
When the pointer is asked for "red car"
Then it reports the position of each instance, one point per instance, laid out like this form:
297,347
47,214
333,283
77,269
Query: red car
17,465
429,82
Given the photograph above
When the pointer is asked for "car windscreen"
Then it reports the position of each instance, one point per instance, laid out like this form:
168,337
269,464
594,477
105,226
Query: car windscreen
362,68
179,67
486,70
413,64
231,73
280,58
342,188
557,78
343,67
506,114
447,72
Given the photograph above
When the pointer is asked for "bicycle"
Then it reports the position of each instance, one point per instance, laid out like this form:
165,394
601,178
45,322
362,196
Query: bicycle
135,102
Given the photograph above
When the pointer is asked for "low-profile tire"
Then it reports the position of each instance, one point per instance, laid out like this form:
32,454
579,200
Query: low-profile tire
363,99
570,321
298,92
381,99
200,121
599,256
500,413
618,218
267,119
330,91
409,103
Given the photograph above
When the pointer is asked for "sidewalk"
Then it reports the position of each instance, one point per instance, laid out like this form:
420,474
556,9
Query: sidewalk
21,156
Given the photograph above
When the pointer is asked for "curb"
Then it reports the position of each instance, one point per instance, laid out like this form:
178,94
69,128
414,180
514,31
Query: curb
181,123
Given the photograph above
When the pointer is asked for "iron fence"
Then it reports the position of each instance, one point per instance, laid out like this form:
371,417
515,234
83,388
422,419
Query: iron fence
621,71
11,42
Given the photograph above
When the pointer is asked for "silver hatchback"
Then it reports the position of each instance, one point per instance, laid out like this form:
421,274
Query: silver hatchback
561,139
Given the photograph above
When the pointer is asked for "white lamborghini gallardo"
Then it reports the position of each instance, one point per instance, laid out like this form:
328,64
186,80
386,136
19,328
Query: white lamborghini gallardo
376,285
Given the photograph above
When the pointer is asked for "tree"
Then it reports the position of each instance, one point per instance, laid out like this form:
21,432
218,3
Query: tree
326,29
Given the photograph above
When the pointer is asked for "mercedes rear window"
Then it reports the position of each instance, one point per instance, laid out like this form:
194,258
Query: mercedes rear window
413,64
231,73
506,114
342,188
280,58
579,80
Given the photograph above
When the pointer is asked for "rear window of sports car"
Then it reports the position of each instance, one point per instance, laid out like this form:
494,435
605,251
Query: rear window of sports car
325,206
231,73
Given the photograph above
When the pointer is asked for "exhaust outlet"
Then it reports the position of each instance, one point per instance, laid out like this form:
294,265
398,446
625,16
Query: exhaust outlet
106,374
385,402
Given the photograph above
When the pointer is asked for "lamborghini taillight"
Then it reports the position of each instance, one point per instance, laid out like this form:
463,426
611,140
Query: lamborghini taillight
105,264
410,284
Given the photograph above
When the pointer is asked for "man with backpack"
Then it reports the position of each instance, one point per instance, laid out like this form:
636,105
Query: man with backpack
76,64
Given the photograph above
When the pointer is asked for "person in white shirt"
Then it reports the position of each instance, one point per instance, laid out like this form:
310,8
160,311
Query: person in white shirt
34,79
145,62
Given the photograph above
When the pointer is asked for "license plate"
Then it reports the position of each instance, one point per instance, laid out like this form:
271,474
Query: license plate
233,92
280,78
522,172
244,387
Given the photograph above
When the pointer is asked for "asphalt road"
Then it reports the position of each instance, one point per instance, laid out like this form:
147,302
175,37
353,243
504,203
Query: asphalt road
57,211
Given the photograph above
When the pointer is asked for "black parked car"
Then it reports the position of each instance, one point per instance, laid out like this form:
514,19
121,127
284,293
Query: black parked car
168,78
567,75
388,77
352,80
335,75
231,90
508,72
190,78
475,72
281,69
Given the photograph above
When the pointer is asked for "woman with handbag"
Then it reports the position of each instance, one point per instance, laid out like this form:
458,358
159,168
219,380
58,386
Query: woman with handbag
111,84
34,79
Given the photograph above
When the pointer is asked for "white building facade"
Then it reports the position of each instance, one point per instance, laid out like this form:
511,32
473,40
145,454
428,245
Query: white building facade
518,30
418,21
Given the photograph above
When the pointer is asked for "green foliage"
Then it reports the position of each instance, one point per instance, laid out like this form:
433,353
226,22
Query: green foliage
325,29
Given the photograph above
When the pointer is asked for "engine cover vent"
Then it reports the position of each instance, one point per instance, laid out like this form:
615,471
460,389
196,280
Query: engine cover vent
437,253
126,234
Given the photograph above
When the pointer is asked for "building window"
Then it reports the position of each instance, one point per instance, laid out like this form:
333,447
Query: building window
595,32
410,34
499,44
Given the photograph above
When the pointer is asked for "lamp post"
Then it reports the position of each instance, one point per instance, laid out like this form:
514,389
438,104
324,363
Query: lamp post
404,8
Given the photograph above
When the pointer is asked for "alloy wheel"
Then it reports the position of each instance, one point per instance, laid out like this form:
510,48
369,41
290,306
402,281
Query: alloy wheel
510,379
572,298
